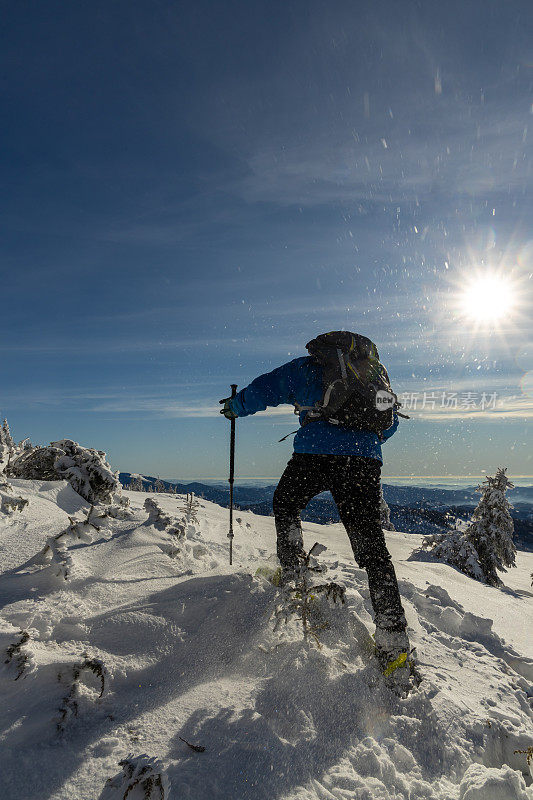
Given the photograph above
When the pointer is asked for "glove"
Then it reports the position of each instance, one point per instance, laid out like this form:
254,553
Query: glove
228,413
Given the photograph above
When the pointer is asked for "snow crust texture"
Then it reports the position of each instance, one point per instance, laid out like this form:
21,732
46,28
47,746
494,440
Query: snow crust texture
150,668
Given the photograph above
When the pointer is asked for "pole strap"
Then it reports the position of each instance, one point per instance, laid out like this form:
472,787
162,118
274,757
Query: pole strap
288,434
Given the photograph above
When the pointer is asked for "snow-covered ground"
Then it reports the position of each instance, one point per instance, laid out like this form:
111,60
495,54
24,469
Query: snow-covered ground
184,646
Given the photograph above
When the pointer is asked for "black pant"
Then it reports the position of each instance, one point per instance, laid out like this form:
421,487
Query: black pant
355,485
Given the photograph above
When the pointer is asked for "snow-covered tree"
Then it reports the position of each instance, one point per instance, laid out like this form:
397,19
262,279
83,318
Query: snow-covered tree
7,446
4,453
84,468
159,486
38,464
492,528
87,470
9,450
7,435
24,446
384,512
190,508
136,483
487,543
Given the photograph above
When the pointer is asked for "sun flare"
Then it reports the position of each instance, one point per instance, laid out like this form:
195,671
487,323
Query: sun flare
487,299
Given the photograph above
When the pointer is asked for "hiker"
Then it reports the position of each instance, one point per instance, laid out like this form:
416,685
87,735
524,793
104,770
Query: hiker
337,448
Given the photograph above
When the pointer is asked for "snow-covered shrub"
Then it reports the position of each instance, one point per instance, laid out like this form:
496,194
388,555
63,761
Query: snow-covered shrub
186,541
19,656
163,521
529,757
84,468
5,486
142,778
70,704
454,549
156,516
120,509
8,503
190,508
80,530
170,550
487,543
11,504
299,597
55,552
37,464
55,555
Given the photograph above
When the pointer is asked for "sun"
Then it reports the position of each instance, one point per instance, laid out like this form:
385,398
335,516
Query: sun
487,299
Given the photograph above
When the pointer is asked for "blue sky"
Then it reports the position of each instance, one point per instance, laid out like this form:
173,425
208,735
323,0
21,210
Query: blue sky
192,191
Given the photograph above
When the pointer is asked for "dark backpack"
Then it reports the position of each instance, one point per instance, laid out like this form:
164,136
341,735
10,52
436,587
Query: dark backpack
356,388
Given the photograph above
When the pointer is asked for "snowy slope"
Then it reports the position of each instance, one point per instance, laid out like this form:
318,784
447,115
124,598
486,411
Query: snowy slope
187,649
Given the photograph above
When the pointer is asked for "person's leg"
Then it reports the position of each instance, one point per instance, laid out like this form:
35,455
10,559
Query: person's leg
304,477
356,490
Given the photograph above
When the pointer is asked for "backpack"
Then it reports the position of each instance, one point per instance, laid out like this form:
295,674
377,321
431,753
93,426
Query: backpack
356,388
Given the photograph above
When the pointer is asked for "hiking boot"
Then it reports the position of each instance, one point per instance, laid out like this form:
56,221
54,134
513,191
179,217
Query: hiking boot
396,660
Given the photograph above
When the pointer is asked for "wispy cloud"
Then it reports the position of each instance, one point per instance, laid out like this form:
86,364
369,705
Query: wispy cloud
86,346
175,410
514,408
504,407
112,346
50,396
466,161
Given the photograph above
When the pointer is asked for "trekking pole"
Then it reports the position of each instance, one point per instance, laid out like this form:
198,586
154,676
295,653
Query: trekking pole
231,478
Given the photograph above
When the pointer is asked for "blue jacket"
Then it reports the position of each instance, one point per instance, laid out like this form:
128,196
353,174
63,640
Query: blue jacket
300,381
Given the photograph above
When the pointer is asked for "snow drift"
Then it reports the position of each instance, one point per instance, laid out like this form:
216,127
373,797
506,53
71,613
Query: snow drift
153,669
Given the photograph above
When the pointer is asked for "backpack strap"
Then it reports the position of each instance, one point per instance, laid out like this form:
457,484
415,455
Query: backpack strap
327,393
342,362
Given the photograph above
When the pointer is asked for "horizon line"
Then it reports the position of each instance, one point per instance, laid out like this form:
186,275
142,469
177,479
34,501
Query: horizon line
385,477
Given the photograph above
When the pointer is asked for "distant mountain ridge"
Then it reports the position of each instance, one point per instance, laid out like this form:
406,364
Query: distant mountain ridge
414,509
411,496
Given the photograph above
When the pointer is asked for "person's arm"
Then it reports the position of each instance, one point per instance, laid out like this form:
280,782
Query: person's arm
271,389
388,432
